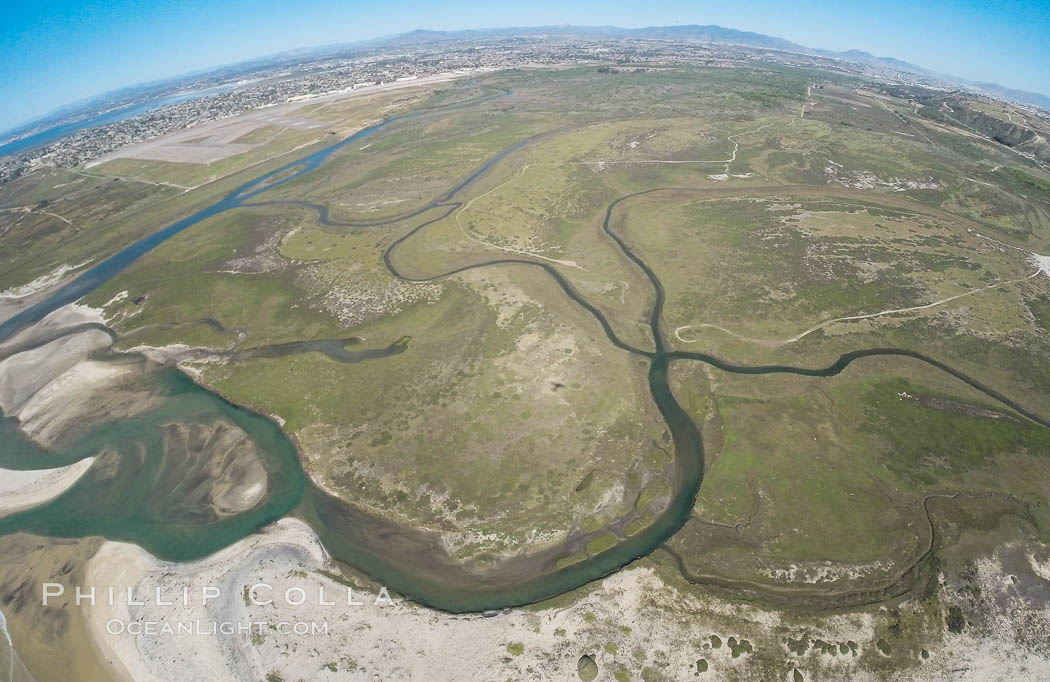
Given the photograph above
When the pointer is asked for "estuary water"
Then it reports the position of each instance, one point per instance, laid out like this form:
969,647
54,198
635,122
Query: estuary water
122,496
134,491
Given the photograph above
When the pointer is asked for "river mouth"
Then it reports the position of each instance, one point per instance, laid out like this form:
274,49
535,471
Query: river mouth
141,489
127,494
130,494
410,562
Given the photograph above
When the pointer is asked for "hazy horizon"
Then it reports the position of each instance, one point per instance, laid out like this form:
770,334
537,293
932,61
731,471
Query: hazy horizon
61,53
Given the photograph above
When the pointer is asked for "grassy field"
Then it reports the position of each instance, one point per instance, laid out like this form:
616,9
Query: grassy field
772,267
461,432
510,421
799,465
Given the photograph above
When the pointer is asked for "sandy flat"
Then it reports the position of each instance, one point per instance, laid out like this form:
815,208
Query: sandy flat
41,283
58,386
629,612
23,489
63,384
16,299
371,640
68,399
25,374
66,316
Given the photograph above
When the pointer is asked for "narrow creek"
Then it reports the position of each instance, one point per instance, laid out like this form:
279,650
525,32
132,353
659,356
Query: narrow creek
125,495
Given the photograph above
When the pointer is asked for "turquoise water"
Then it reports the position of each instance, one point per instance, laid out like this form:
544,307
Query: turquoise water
123,495
138,489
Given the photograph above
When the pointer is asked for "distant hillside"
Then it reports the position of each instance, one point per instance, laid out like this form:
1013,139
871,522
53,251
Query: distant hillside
706,34
690,32
709,34
862,57
1023,96
714,34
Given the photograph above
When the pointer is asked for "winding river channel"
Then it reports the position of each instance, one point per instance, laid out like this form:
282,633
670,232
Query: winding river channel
127,494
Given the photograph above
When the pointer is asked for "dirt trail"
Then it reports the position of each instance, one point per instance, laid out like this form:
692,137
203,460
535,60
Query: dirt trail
849,318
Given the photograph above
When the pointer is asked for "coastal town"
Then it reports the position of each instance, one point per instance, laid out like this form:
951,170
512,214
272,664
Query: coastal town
269,84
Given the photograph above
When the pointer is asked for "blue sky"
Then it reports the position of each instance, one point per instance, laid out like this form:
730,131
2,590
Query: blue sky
53,53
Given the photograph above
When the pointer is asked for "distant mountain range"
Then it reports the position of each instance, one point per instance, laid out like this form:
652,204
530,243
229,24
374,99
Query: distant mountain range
708,34
712,34
691,32
1022,96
